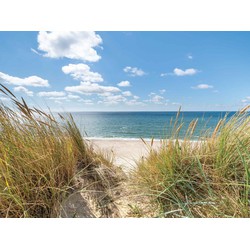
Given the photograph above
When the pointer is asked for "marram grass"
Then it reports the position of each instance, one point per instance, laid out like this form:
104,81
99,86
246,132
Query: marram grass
208,178
38,159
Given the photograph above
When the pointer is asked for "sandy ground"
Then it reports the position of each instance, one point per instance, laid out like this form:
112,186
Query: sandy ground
125,152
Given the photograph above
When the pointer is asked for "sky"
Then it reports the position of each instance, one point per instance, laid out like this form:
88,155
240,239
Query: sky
127,71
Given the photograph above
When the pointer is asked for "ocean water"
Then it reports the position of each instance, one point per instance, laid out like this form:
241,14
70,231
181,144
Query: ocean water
135,125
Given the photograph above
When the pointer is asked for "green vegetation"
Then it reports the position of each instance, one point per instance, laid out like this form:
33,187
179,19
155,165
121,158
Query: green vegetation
208,178
41,161
44,162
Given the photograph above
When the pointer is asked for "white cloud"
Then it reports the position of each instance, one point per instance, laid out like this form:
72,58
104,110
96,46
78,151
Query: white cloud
51,94
89,88
58,98
162,91
58,102
82,72
134,71
70,96
112,99
86,101
203,86
24,90
247,99
136,97
69,44
157,99
4,99
187,72
135,103
164,74
154,98
33,81
124,84
105,94
115,98
189,56
127,93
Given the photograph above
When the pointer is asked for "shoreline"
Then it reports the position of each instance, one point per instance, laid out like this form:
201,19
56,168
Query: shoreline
125,153
130,139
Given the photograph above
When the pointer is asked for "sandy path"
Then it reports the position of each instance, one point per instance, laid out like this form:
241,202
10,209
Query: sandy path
125,152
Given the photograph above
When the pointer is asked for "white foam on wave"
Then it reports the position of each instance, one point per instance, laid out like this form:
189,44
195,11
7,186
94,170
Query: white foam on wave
129,139
119,139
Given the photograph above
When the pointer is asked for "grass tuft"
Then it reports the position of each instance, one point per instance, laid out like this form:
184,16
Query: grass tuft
204,178
41,159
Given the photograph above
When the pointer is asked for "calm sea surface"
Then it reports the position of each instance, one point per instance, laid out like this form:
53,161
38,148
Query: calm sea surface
143,124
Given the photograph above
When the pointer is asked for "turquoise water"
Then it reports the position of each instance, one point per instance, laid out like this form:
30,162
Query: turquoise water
142,124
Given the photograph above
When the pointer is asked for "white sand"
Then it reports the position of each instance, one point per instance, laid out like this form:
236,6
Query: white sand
125,152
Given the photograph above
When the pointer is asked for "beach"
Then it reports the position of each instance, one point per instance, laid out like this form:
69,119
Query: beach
125,152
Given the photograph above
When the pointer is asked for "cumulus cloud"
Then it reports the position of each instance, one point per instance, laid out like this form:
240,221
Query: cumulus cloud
24,90
112,99
105,94
33,81
124,84
162,91
127,93
133,71
187,72
189,56
203,86
51,94
157,99
70,44
89,88
82,72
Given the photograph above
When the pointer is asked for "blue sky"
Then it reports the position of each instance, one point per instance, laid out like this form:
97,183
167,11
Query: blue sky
119,71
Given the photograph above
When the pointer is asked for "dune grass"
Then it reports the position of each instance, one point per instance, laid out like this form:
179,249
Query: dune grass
43,160
39,159
208,178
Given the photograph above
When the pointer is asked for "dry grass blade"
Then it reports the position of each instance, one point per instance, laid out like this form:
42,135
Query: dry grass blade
7,91
219,124
152,142
193,127
143,141
244,109
61,116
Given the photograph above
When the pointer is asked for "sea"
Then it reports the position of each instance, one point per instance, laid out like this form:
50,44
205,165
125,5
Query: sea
146,125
